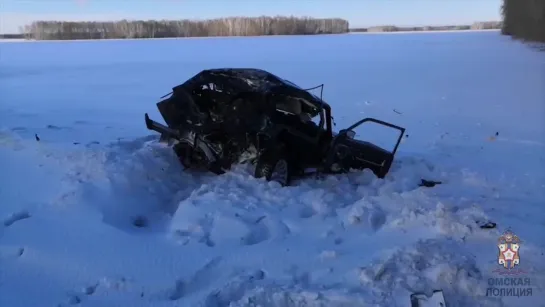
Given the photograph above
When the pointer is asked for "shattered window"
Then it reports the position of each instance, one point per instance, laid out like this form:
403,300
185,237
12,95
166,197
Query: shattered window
289,105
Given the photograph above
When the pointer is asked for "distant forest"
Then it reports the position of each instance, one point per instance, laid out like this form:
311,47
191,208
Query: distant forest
524,19
487,25
234,26
521,19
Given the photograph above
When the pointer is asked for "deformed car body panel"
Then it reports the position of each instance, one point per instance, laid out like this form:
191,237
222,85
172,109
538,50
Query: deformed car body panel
233,81
205,96
218,114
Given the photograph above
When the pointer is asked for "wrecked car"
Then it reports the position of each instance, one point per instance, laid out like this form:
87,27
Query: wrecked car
221,117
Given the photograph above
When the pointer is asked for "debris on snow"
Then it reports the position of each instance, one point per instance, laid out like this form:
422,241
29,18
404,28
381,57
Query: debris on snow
486,225
428,183
140,222
422,300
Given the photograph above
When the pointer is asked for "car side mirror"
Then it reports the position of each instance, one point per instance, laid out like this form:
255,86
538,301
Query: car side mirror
350,134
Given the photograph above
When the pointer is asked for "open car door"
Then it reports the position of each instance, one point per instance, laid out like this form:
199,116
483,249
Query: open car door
346,151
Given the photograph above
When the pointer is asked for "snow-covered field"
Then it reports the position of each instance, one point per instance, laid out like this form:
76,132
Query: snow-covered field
97,213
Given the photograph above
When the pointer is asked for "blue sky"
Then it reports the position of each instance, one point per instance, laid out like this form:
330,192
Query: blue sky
360,13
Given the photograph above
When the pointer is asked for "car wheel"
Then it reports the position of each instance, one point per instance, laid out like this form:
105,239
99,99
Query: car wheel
273,167
191,157
183,152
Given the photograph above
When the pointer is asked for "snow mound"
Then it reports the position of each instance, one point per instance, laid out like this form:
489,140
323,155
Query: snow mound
411,238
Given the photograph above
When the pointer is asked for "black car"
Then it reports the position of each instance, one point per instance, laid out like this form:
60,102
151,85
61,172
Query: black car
221,117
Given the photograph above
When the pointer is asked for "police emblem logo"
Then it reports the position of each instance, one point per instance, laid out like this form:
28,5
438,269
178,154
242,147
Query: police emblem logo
509,250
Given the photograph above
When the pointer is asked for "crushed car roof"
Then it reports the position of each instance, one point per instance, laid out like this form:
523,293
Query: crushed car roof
237,80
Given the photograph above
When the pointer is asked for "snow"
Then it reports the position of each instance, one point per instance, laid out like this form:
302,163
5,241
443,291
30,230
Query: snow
97,213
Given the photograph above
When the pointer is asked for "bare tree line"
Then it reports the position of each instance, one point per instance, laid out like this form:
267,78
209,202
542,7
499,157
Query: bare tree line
482,25
233,26
524,19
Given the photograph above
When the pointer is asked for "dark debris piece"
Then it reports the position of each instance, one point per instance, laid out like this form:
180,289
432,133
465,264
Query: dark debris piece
140,222
487,225
429,183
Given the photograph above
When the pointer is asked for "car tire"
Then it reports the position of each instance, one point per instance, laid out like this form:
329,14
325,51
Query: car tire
183,152
274,166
